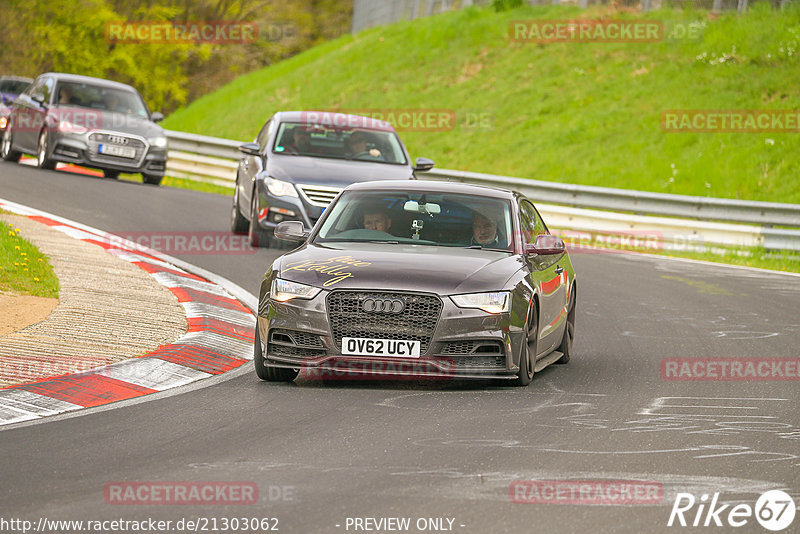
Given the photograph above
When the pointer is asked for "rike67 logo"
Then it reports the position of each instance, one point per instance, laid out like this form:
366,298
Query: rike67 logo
774,510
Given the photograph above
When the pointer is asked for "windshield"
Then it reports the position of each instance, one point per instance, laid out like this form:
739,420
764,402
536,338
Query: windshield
98,97
360,144
13,87
422,218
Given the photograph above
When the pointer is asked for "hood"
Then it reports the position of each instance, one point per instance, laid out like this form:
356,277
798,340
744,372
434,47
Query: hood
332,172
96,119
443,270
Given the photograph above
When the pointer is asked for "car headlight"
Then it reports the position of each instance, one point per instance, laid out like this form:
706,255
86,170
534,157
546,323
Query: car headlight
279,188
68,127
159,142
497,302
284,290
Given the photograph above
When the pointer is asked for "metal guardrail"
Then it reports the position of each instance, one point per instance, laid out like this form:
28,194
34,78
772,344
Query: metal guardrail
214,160
640,202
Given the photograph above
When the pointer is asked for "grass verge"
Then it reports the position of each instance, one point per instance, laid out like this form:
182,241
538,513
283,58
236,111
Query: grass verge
587,113
23,269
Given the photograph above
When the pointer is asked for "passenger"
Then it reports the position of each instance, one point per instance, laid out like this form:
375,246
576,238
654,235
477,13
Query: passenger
112,102
301,141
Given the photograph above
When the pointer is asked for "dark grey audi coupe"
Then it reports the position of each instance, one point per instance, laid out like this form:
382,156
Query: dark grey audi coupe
418,279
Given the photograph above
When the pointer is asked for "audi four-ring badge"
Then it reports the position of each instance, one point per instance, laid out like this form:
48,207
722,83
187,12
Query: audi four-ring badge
418,279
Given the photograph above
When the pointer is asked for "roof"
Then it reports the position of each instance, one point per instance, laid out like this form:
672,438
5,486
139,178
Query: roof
433,186
77,78
17,78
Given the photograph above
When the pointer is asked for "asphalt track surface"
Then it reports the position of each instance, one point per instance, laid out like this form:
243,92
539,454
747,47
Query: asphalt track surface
430,450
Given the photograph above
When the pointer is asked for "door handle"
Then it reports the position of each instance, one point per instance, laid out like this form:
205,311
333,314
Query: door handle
559,269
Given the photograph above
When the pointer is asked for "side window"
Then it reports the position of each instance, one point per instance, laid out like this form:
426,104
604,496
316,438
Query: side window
47,89
532,224
36,87
263,135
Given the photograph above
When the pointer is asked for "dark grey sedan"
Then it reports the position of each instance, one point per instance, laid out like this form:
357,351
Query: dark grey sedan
302,159
418,279
86,121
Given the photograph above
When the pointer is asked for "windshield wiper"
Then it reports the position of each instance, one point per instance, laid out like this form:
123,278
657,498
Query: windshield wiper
481,247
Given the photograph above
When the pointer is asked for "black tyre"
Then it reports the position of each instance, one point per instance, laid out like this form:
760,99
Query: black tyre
113,175
5,149
270,374
238,222
152,179
527,359
569,332
43,159
257,236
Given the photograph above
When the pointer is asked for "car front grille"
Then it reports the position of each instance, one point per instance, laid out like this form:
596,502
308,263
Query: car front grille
318,195
416,322
98,138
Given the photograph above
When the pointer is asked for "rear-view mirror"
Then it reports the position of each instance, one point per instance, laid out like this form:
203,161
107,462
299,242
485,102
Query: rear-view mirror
415,207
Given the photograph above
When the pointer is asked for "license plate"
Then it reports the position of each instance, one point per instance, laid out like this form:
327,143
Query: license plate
114,150
392,348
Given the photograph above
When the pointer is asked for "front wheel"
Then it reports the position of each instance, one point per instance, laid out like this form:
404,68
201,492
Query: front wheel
527,356
238,222
5,150
152,179
270,374
42,159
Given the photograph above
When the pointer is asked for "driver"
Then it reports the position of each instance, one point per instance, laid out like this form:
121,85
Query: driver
376,219
357,146
484,232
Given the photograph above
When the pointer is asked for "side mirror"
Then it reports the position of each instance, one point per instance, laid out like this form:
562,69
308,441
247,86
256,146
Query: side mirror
291,231
251,149
38,97
423,164
546,245
157,116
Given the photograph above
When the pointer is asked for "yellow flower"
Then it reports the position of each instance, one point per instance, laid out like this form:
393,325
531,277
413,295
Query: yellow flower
23,253
26,270
17,264
36,279
40,259
16,247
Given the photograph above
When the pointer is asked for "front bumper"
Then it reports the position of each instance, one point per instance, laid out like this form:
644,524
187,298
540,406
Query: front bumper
81,150
465,343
